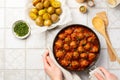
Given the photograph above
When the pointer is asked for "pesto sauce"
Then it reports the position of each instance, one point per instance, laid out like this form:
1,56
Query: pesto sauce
21,29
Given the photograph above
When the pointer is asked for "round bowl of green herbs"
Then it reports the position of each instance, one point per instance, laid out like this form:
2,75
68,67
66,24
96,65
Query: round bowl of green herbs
21,29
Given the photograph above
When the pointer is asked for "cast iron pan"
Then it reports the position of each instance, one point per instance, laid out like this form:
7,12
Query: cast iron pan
93,63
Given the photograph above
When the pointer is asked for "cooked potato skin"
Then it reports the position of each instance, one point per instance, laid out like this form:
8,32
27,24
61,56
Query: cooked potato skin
39,6
79,45
33,15
39,21
35,2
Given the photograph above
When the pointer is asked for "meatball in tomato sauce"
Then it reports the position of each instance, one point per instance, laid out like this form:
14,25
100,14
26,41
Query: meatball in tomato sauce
59,54
76,55
58,43
75,64
76,47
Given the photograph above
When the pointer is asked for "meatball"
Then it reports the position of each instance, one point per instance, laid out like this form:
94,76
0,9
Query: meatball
58,43
73,36
68,31
73,44
65,62
87,46
78,30
68,56
91,56
91,39
91,34
75,64
62,36
66,47
94,49
86,34
84,63
80,36
83,55
75,55
59,54
83,42
67,39
80,49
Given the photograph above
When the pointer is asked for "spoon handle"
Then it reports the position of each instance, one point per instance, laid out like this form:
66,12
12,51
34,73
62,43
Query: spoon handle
113,50
111,54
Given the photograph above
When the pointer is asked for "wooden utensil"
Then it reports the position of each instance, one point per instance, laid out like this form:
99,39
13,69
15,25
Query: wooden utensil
103,16
111,53
100,27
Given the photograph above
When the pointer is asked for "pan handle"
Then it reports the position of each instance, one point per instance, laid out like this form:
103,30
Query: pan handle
92,68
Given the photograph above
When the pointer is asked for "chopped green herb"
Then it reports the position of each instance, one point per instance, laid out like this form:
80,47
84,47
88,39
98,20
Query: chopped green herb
21,29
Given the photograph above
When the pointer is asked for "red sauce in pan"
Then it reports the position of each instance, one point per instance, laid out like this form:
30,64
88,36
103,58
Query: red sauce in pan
76,48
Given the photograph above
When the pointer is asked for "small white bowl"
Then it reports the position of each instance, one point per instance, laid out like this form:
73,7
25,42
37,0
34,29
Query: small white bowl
19,37
113,6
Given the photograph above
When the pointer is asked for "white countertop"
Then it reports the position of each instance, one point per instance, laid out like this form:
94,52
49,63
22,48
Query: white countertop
22,60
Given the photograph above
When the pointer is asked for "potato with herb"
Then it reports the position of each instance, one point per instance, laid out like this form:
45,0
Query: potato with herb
39,21
51,1
41,12
46,3
47,22
33,15
58,11
34,10
51,10
54,18
56,4
39,5
34,2
46,16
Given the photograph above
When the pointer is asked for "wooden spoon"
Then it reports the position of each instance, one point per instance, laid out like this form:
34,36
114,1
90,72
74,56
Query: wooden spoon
103,16
100,27
111,53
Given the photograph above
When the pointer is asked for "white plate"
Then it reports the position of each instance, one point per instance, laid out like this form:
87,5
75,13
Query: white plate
113,6
65,17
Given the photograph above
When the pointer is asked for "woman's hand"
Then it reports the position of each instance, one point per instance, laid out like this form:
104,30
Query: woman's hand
108,75
51,69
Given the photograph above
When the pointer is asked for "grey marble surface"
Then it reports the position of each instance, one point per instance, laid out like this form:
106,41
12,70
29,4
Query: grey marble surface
22,59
